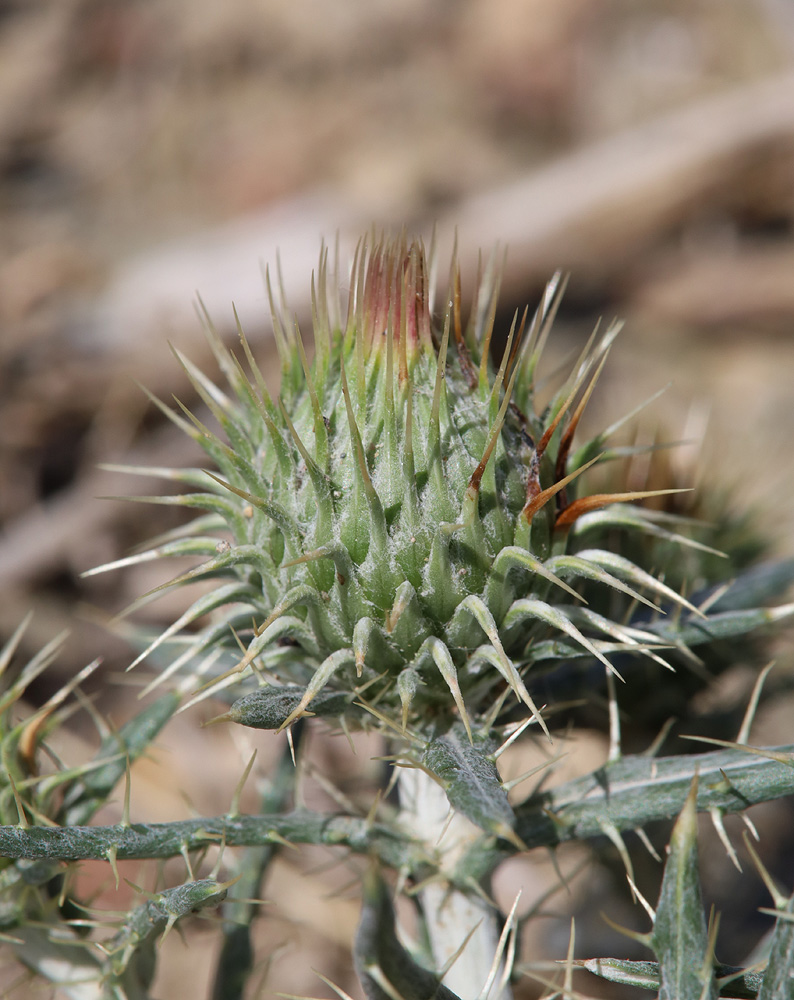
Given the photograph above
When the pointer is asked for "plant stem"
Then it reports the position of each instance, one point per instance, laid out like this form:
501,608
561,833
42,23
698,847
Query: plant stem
451,914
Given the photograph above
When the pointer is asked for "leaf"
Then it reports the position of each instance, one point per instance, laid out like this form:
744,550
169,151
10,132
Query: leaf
471,780
757,585
643,975
631,792
386,970
739,983
269,708
680,938
636,790
726,625
129,967
778,982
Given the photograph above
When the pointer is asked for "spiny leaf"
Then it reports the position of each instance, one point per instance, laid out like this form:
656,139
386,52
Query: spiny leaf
384,966
680,937
757,585
739,983
691,631
269,708
471,781
129,949
636,790
778,982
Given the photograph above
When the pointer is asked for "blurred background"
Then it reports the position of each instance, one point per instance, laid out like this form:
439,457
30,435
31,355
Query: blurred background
155,149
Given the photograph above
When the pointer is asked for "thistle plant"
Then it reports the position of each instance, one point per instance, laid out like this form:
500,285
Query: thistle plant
404,541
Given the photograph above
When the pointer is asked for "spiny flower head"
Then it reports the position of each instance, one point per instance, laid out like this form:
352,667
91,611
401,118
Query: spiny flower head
397,523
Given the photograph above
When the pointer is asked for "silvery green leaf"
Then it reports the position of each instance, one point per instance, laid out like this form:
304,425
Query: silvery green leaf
131,955
778,982
730,780
471,780
732,982
635,790
694,631
643,975
757,585
269,708
383,965
680,937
